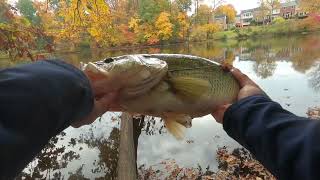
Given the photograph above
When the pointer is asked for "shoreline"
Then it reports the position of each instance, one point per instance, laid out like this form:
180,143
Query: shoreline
230,35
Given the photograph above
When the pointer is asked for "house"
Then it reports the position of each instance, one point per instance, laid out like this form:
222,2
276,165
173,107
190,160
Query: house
291,9
276,13
288,9
222,21
247,16
238,21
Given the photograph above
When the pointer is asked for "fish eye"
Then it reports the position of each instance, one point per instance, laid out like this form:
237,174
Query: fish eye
108,60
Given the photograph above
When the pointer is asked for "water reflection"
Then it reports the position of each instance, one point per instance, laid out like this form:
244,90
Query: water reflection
92,152
302,51
314,76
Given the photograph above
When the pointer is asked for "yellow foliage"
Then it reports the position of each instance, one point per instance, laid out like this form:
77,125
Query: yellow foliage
227,10
164,26
211,28
311,6
91,16
134,24
149,33
184,24
198,33
48,18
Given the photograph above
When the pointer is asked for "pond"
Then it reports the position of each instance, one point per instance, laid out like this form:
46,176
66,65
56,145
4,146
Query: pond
287,68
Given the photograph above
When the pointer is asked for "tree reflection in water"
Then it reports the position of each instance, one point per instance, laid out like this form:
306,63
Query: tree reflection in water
265,63
314,78
108,155
153,126
50,159
302,51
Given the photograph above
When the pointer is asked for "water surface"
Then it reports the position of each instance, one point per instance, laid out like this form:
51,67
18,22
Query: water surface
287,68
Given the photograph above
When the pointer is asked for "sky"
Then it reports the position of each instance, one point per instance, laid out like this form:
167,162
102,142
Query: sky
238,4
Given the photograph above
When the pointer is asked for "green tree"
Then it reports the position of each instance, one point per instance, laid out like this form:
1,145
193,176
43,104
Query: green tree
184,5
149,10
28,11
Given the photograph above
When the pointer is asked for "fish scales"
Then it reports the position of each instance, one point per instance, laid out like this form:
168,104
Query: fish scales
220,83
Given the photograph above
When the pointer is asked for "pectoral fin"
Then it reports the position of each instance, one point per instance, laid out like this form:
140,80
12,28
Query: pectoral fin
189,87
177,123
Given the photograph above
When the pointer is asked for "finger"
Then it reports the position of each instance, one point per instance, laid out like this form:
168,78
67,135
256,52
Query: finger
218,113
104,103
226,67
115,106
242,78
94,76
102,87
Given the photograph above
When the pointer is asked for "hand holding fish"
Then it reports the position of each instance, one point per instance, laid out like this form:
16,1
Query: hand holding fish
105,99
174,87
247,88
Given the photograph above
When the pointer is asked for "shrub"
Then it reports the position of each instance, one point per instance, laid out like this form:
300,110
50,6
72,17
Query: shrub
198,33
278,20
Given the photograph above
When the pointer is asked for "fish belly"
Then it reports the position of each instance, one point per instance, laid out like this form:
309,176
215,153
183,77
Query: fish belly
162,100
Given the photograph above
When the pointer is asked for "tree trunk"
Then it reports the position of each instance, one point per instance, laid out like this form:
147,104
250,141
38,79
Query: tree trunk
127,168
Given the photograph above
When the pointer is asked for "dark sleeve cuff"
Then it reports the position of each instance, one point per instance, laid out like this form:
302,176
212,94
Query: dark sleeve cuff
43,98
233,118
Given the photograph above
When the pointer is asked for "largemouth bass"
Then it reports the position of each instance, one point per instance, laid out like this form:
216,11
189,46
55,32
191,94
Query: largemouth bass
174,87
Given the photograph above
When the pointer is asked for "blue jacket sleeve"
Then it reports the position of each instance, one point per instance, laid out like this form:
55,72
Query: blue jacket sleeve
284,143
38,101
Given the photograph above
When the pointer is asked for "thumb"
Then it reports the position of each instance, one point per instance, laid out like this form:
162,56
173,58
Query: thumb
218,113
104,103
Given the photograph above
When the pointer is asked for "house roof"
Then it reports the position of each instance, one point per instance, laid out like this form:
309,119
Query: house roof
249,10
287,4
220,16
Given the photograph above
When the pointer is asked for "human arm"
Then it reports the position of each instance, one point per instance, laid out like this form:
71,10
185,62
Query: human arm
284,143
38,101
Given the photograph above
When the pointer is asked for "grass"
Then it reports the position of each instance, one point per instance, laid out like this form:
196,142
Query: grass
225,35
288,27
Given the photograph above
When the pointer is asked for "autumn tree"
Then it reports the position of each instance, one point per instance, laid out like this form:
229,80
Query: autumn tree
149,10
28,11
210,29
216,3
270,5
184,25
88,17
184,5
164,26
261,13
312,6
17,35
204,15
229,11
